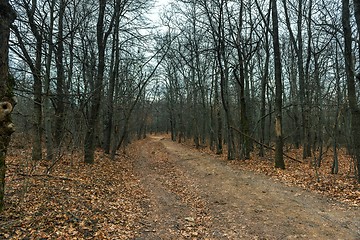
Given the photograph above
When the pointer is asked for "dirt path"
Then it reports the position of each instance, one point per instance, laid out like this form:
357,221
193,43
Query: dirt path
196,196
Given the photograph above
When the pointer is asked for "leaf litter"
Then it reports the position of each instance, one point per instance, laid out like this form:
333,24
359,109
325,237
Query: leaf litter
74,201
106,200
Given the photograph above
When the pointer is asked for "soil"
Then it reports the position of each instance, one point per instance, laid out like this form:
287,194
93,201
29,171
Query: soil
194,195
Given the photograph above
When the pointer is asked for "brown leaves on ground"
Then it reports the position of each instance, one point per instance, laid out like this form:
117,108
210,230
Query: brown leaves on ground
74,201
341,186
105,200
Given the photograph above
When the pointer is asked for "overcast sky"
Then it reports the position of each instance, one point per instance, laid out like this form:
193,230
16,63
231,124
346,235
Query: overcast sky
156,11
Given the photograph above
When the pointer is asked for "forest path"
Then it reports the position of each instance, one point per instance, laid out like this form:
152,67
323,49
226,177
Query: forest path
194,195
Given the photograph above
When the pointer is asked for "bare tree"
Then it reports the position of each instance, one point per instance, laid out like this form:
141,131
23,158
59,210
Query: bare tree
356,112
264,76
279,160
297,44
60,78
7,16
350,76
47,90
31,12
217,27
102,38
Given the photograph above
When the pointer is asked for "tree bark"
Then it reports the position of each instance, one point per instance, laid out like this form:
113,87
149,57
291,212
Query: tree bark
102,36
350,75
240,70
7,16
35,67
37,116
47,99
37,86
264,83
224,81
335,165
115,64
279,160
60,79
307,131
356,110
219,122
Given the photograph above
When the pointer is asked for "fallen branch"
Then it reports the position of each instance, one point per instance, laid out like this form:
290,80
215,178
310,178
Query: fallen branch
48,170
264,145
46,175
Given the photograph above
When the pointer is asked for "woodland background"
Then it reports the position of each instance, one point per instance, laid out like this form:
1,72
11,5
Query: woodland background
239,77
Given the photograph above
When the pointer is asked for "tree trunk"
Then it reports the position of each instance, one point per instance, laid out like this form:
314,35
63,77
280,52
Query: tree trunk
335,165
108,124
298,47
264,82
7,16
37,116
349,69
37,86
36,72
47,100
219,122
89,142
224,82
279,160
60,104
306,111
356,112
357,18
109,105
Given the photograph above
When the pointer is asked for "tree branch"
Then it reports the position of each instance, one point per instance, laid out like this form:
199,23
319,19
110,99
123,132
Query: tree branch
264,145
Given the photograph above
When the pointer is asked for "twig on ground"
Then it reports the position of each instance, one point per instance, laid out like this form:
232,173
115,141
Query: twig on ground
46,175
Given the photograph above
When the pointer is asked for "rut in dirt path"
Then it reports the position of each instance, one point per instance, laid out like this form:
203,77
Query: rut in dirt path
173,208
194,195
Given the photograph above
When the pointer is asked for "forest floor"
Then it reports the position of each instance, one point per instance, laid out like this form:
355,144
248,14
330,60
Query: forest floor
161,189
